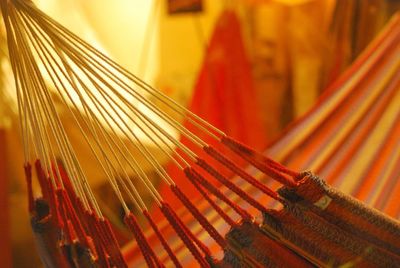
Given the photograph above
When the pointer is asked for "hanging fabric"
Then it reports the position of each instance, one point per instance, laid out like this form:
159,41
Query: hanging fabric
223,95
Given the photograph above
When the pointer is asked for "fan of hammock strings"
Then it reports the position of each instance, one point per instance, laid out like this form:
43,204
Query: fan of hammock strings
315,224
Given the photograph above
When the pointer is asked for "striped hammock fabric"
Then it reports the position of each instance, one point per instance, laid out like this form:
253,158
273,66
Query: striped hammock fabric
268,215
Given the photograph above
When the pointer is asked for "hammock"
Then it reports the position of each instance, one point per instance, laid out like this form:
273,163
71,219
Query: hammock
313,225
357,116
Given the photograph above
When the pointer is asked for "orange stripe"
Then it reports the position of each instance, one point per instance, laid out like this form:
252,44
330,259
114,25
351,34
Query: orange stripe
337,119
294,130
393,208
378,164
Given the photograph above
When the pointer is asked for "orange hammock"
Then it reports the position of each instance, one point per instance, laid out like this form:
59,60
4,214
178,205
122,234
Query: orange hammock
304,223
334,137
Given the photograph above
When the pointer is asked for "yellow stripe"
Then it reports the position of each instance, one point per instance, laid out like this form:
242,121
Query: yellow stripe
384,178
354,117
303,131
367,152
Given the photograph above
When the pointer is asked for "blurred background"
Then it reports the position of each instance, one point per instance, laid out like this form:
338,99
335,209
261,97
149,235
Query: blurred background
250,67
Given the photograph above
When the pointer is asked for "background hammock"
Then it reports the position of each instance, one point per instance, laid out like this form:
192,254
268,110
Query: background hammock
280,169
